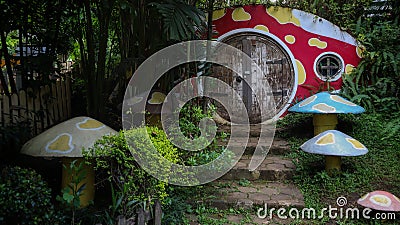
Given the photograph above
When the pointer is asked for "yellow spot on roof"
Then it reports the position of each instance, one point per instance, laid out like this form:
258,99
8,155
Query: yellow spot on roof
359,50
239,14
283,15
61,144
218,14
157,98
327,139
381,200
262,27
349,68
90,124
301,71
315,42
322,107
308,101
290,39
341,100
356,144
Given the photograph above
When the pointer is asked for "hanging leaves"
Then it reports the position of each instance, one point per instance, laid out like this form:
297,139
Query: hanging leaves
180,20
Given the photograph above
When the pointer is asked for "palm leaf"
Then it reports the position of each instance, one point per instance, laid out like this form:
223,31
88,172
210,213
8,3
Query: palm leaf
179,19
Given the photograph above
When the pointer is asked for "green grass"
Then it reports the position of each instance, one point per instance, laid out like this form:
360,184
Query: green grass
379,169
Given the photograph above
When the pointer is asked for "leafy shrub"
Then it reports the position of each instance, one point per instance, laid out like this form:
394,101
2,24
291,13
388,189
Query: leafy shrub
25,198
13,135
375,83
189,120
113,156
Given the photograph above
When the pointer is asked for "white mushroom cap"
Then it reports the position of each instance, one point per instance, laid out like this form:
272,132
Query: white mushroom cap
67,138
380,200
334,143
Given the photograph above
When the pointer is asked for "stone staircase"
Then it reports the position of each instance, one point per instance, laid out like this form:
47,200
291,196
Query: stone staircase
271,183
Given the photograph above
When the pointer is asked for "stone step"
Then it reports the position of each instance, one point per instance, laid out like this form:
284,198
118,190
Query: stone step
279,146
236,194
273,168
255,129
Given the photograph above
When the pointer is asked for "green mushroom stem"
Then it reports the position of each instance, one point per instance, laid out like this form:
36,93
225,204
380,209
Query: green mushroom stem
333,163
324,122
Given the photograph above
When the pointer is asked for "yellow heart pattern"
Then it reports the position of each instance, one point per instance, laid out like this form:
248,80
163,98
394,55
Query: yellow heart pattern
90,124
61,144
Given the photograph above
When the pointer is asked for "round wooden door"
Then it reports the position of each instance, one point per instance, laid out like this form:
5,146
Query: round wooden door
277,70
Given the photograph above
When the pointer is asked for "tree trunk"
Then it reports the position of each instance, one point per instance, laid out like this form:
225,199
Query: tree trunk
8,62
104,20
3,80
92,93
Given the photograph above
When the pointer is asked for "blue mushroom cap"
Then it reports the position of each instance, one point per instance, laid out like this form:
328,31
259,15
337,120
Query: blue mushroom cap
324,103
335,143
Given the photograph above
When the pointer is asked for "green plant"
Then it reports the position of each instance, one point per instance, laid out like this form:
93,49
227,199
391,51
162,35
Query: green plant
244,182
71,193
375,83
190,118
176,16
25,198
176,205
114,162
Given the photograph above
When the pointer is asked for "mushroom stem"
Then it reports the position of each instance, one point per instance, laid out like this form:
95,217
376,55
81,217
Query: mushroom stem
332,163
87,172
324,122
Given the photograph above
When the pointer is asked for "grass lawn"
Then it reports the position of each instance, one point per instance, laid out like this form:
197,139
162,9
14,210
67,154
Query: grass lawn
379,169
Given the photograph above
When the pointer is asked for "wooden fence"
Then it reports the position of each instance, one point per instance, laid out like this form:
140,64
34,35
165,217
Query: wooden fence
41,108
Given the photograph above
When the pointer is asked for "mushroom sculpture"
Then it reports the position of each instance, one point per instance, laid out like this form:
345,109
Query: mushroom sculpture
334,144
380,200
325,107
66,140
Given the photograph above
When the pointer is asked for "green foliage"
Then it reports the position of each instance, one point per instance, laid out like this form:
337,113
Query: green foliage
25,198
72,192
244,182
79,95
213,216
375,83
189,120
176,16
176,205
14,135
341,13
113,159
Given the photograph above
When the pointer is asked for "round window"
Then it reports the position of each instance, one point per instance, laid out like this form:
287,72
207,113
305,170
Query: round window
329,66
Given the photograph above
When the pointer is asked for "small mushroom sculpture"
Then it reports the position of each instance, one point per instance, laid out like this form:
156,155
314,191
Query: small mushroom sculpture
334,144
66,140
380,200
325,107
